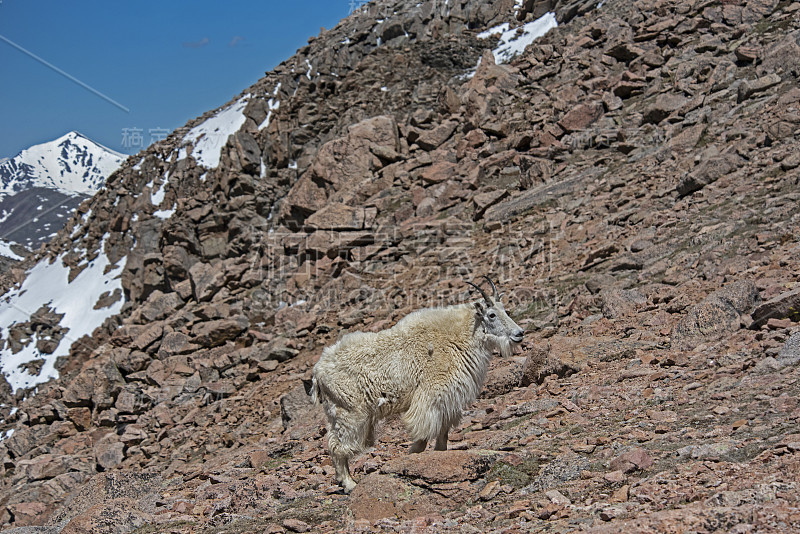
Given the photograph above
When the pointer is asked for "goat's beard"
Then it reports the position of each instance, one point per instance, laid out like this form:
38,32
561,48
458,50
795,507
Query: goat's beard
503,345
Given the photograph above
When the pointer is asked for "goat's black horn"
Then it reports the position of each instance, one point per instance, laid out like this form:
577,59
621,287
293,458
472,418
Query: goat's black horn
482,292
494,287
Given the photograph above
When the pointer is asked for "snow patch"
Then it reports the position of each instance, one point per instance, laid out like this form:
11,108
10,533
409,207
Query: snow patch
6,434
211,135
164,214
5,250
511,44
158,196
493,31
273,104
47,284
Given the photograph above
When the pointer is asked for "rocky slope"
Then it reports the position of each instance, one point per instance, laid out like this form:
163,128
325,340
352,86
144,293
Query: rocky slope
630,180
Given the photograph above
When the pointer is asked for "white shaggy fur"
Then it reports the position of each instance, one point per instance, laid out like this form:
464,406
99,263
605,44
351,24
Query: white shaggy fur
426,368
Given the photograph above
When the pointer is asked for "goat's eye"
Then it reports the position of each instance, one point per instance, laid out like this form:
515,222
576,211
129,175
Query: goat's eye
492,315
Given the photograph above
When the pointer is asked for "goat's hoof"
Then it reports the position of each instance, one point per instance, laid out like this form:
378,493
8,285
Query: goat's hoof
348,486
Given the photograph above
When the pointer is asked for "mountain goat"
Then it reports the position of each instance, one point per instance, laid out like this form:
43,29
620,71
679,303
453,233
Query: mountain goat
425,368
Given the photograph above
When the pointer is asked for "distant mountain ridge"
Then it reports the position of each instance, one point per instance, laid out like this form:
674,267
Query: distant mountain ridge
72,164
42,185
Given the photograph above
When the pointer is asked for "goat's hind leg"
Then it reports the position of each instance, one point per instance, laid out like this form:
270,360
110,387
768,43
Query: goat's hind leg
369,432
447,422
441,439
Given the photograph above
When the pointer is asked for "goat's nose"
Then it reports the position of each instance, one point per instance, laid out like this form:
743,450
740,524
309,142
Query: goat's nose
517,335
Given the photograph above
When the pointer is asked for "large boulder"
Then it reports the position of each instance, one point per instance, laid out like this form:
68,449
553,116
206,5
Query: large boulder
215,333
712,167
717,315
341,166
438,467
785,305
337,216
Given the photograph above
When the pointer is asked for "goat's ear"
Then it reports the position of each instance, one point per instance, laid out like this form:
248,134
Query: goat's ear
479,308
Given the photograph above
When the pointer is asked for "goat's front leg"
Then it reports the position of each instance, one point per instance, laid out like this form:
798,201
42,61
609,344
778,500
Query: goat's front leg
342,465
441,439
418,446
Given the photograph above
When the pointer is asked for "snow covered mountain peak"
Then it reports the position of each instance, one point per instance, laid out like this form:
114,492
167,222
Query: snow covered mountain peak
72,164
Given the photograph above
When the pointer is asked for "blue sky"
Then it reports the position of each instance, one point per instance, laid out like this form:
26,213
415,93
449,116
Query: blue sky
167,62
